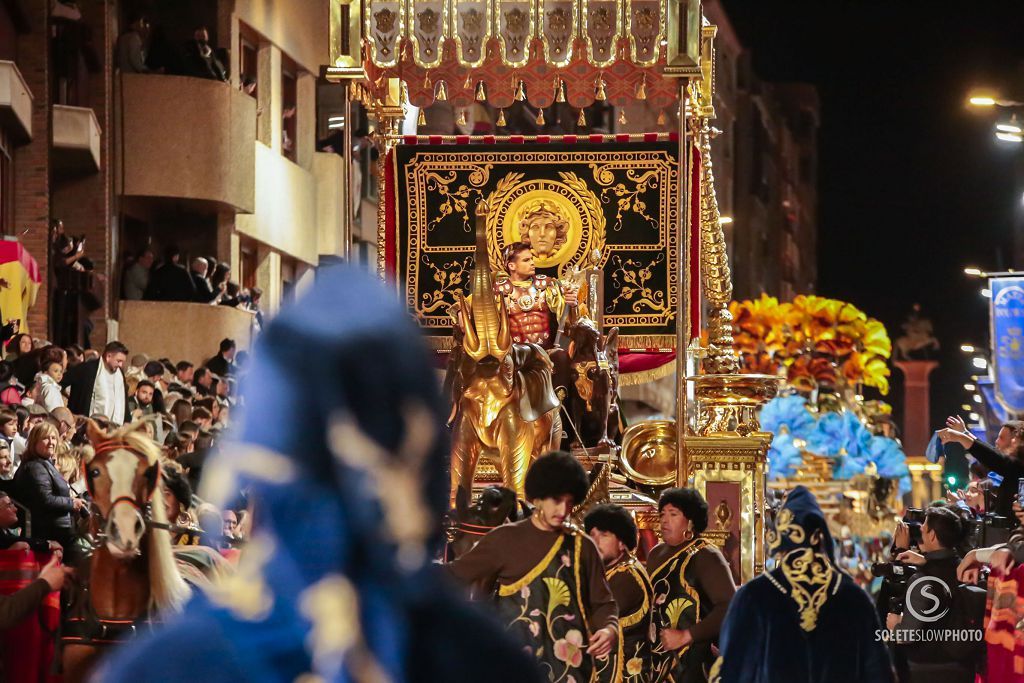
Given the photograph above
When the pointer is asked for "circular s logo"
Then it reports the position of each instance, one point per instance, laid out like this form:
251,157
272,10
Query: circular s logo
928,598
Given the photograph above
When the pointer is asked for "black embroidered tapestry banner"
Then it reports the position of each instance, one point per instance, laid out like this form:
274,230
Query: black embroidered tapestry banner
566,200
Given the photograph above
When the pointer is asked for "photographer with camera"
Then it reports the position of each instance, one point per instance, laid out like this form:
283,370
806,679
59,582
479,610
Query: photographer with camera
937,611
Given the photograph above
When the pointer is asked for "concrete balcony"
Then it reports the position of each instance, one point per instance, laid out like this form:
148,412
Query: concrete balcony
180,330
76,139
298,212
15,103
330,203
188,139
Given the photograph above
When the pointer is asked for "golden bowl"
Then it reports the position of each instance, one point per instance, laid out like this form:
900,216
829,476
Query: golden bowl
649,451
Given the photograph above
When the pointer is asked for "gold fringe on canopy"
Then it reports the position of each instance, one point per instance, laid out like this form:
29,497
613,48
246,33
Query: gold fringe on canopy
634,378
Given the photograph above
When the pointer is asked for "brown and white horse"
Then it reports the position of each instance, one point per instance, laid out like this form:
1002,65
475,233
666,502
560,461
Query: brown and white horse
132,573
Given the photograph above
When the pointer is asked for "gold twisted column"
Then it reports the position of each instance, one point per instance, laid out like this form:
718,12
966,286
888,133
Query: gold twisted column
727,449
720,357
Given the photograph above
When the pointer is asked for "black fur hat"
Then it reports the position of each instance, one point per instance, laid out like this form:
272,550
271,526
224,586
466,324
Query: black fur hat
690,503
615,519
555,474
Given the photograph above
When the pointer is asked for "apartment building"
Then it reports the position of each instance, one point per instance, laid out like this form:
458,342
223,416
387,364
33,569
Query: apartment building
131,161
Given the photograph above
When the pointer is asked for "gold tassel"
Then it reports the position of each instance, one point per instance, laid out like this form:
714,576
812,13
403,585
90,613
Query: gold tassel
560,92
520,92
442,92
622,117
641,91
540,117
461,119
468,83
421,120
630,379
426,79
582,120
600,95
662,119
500,123
481,92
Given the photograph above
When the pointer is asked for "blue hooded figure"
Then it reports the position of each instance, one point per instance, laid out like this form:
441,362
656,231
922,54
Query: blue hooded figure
805,621
342,448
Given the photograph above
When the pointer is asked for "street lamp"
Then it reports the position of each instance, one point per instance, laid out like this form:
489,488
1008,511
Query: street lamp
986,101
978,272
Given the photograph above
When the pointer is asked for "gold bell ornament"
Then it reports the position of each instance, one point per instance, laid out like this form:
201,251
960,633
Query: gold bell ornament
582,120
600,94
520,92
421,120
540,117
481,92
641,91
468,83
500,123
662,119
560,91
461,118
442,92
622,117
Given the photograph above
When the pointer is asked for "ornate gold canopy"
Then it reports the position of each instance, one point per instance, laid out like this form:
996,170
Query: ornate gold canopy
500,51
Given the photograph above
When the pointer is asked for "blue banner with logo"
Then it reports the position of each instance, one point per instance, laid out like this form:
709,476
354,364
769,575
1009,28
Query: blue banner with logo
1008,342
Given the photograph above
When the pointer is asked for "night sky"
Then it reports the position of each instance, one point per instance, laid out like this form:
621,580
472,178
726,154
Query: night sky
913,186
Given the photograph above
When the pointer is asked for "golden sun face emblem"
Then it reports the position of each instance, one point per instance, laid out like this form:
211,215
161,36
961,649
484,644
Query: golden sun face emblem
562,220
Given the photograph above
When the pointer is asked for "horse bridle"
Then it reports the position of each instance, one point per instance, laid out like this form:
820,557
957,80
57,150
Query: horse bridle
144,510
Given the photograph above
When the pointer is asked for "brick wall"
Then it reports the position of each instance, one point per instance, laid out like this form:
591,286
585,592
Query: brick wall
31,161
84,202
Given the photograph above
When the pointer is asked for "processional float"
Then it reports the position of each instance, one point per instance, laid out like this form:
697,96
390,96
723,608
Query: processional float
627,225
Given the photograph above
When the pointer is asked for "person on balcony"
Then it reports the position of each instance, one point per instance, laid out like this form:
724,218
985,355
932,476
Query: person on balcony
201,59
131,50
204,290
170,281
136,277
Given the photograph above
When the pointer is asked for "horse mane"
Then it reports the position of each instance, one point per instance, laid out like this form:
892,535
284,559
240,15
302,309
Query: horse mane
167,590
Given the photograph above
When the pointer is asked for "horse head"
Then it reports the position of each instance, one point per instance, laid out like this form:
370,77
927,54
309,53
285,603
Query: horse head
495,506
122,472
584,341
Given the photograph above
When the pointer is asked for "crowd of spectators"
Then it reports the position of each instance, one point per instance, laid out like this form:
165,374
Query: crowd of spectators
143,48
43,421
205,281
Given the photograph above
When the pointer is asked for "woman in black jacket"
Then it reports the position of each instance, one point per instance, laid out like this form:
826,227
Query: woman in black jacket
41,488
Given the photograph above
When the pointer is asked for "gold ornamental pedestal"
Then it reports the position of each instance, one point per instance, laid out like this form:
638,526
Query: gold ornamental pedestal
727,462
